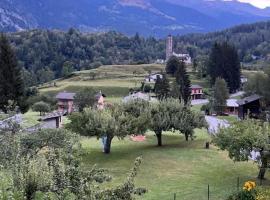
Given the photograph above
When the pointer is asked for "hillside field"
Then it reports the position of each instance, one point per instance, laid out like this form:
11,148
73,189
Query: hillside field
113,80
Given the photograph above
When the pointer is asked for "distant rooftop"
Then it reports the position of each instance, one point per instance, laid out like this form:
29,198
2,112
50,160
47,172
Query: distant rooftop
65,95
232,103
196,87
53,115
248,99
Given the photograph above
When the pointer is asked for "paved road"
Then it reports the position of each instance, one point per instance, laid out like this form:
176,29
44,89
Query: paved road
199,102
241,93
215,123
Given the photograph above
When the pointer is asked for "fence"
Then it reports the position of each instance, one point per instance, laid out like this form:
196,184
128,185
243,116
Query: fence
208,192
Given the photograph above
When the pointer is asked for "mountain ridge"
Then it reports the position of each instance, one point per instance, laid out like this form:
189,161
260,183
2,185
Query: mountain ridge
151,17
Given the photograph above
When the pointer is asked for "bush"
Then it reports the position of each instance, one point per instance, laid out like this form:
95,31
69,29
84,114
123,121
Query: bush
41,107
249,192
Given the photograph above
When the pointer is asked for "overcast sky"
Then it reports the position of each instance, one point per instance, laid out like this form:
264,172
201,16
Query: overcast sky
258,3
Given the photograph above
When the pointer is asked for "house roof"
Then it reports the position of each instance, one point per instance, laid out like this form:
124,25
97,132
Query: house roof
65,95
52,115
232,103
248,99
196,87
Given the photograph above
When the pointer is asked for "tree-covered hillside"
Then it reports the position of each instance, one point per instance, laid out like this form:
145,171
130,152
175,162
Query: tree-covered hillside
251,40
46,55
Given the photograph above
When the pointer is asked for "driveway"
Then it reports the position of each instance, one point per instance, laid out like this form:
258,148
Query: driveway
214,124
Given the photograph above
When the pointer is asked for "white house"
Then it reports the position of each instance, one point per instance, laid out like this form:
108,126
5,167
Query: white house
184,57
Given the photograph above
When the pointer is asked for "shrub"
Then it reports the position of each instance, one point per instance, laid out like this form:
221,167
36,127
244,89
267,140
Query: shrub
249,192
41,107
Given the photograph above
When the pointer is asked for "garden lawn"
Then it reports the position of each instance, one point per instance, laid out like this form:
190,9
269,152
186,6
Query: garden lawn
181,167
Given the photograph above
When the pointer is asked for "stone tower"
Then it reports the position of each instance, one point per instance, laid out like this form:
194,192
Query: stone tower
169,47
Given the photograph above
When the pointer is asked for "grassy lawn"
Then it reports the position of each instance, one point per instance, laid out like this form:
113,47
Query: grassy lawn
178,167
30,119
230,118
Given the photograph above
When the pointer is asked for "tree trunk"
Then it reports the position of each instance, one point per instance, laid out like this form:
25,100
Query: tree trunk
107,146
263,167
186,136
159,138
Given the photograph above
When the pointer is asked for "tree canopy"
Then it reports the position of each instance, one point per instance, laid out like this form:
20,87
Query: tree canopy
224,63
11,82
183,82
220,96
116,121
244,137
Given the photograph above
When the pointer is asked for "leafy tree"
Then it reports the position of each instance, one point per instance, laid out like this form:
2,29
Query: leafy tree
47,165
170,115
224,63
116,121
183,81
162,87
244,137
85,98
67,68
11,83
220,96
259,83
41,107
172,65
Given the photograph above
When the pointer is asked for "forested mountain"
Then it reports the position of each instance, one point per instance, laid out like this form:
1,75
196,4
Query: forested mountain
251,40
148,17
45,54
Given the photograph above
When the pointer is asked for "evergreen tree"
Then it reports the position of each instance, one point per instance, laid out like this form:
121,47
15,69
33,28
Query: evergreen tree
220,96
172,65
11,82
183,81
224,63
162,87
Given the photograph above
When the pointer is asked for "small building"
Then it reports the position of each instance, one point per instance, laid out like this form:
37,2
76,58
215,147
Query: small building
232,107
52,120
250,105
65,102
152,78
184,57
196,92
100,98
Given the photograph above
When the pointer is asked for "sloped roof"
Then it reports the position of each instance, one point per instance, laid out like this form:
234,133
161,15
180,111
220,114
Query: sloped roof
53,115
232,103
196,87
65,95
248,99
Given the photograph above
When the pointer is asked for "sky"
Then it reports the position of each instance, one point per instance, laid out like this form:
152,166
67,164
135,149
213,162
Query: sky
258,3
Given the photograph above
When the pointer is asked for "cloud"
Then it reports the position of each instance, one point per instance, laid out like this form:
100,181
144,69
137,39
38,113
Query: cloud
258,3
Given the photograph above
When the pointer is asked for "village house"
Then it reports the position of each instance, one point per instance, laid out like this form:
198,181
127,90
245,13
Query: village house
152,78
232,107
249,106
196,92
65,102
52,120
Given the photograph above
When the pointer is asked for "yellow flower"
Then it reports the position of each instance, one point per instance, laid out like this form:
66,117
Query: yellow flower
249,185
